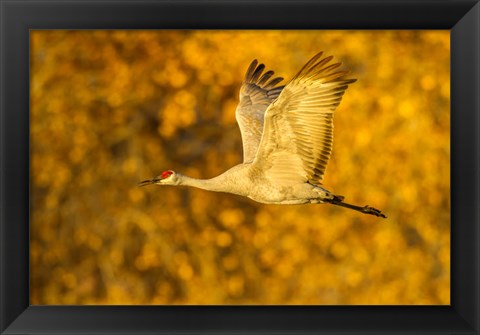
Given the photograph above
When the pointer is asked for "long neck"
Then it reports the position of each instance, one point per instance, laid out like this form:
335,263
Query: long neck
217,184
231,181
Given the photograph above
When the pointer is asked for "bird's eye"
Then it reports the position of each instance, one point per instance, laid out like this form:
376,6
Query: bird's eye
166,174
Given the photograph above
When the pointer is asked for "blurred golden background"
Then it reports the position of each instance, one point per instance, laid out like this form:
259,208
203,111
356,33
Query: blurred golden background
111,108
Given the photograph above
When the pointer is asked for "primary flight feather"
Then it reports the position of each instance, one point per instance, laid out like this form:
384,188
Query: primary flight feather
287,134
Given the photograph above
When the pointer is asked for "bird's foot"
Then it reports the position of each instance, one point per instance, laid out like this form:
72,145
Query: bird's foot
373,211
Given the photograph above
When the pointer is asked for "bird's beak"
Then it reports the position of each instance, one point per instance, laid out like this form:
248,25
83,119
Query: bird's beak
149,182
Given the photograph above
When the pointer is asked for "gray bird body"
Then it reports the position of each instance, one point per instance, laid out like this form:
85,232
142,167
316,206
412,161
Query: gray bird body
245,180
287,134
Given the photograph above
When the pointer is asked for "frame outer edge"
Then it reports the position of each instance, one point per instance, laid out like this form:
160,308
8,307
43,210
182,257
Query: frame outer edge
2,171
14,154
476,229
465,177
476,256
475,12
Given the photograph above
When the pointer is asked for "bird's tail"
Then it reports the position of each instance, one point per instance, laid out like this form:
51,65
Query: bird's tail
338,201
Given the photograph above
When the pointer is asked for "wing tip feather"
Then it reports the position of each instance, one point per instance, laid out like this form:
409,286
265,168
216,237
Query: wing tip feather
256,76
250,70
316,69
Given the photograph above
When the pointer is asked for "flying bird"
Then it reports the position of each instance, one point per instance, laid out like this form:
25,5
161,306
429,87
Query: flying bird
287,134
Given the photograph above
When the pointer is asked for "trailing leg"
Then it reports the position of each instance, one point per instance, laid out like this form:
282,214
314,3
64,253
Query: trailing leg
338,200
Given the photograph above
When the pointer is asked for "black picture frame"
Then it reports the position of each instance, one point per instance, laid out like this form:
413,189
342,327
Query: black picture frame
17,17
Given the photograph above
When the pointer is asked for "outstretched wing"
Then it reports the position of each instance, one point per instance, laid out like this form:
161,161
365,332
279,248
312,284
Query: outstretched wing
298,130
256,94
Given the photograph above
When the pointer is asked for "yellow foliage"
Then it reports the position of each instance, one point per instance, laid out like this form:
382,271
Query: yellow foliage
111,108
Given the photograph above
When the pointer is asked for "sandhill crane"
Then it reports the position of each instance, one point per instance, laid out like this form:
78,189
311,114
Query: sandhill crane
287,134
